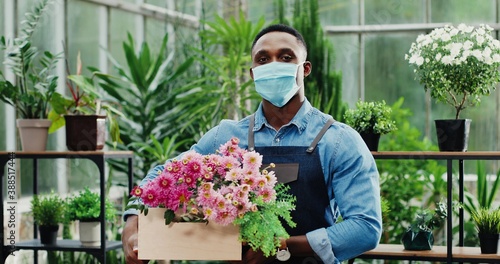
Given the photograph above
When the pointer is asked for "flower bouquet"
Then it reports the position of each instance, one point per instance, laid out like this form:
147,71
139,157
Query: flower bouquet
457,64
226,188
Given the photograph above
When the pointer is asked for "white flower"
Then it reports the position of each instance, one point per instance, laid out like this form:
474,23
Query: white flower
468,29
445,37
496,58
479,39
478,54
419,61
447,60
413,58
468,44
455,49
466,53
438,56
487,52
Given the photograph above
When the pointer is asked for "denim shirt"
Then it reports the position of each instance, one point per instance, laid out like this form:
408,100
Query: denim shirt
348,167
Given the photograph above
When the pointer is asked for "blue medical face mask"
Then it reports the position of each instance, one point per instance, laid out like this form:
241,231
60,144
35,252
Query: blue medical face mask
276,82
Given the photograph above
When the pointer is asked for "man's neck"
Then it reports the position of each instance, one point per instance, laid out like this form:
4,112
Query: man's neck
278,117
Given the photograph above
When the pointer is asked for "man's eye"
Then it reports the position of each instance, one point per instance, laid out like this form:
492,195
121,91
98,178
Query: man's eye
261,60
286,58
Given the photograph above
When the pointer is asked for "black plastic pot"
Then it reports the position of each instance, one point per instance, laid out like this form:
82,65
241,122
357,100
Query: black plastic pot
488,243
371,140
48,234
85,132
453,134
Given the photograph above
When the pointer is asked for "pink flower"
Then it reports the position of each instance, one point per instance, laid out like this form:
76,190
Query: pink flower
267,194
150,196
221,187
164,181
252,160
136,191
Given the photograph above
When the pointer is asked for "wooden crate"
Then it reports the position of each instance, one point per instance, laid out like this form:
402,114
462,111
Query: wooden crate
185,241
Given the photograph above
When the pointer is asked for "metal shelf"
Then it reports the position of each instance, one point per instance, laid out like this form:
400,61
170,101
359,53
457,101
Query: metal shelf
98,157
449,253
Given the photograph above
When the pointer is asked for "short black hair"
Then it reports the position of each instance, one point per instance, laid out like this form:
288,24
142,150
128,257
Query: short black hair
280,28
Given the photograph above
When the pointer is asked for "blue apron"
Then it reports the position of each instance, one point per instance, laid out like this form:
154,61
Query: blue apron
307,184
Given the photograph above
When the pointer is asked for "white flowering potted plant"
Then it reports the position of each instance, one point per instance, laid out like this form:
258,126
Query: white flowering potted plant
457,65
371,120
212,204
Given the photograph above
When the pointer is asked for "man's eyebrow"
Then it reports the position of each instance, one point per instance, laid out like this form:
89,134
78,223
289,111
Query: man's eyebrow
261,52
282,50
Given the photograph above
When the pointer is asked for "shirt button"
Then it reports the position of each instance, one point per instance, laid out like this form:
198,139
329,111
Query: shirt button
277,140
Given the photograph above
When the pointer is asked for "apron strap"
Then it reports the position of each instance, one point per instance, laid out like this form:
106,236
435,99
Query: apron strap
310,149
313,145
251,143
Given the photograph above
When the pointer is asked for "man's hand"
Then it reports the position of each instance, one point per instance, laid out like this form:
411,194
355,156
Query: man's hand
129,241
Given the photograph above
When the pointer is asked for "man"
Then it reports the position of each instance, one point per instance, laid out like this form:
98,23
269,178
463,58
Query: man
332,172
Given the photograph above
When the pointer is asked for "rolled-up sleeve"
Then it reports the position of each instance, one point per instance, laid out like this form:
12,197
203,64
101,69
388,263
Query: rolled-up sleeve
353,177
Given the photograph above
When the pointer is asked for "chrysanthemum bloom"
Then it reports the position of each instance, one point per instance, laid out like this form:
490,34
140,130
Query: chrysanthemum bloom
136,191
150,196
252,160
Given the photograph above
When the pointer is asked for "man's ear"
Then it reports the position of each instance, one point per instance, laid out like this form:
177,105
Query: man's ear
251,73
307,68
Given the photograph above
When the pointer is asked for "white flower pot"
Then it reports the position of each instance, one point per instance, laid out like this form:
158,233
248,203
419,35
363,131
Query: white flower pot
90,233
33,133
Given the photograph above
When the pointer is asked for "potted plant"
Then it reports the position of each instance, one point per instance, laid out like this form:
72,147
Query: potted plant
419,234
35,82
84,113
48,212
371,120
86,208
457,65
488,228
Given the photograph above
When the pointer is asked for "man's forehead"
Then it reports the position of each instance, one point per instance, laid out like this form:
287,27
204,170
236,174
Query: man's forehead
277,40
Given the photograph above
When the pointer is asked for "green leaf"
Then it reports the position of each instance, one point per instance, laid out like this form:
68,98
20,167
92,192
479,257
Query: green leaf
169,216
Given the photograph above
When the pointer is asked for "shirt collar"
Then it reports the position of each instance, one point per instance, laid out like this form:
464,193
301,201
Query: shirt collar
300,119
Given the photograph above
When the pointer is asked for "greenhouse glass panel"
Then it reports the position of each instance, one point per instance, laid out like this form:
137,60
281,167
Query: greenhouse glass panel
84,39
264,9
121,24
463,11
346,49
343,12
388,75
381,12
